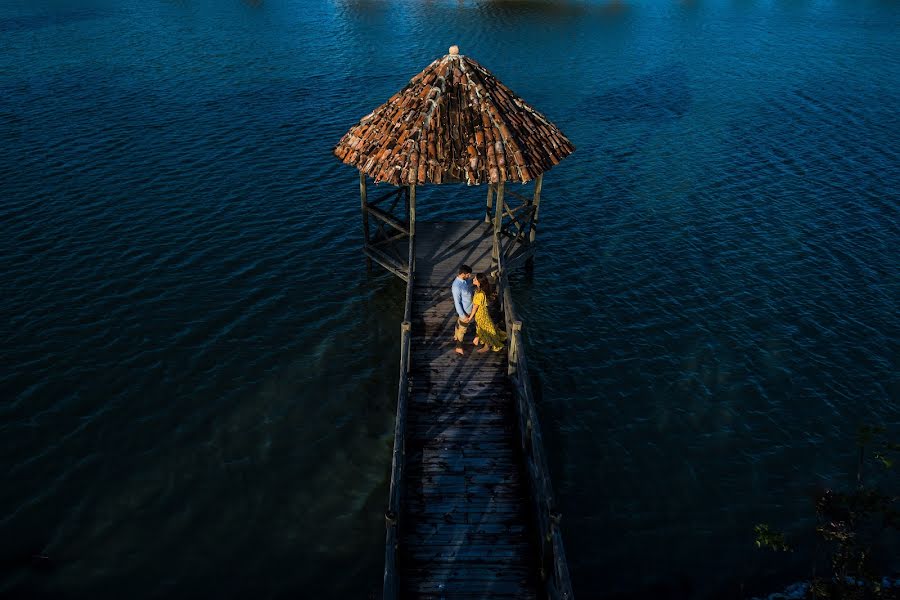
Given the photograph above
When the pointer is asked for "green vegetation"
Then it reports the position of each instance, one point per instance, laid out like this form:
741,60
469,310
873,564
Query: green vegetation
773,540
852,524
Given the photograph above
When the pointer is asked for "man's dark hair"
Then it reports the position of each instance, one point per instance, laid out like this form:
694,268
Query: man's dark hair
464,269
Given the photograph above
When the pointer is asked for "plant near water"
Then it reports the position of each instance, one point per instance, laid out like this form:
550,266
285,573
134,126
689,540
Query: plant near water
773,540
851,523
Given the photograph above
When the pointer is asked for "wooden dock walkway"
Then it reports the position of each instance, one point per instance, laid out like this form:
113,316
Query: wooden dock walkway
471,510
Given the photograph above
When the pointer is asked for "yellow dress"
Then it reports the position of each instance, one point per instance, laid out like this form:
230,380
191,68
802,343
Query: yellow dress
485,329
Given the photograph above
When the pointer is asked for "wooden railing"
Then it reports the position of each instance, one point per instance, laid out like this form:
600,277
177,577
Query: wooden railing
553,565
398,459
389,228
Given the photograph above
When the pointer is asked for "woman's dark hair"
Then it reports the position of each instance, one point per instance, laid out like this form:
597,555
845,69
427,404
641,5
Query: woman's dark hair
486,286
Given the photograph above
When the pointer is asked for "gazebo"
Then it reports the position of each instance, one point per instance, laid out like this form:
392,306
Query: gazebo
453,122
469,424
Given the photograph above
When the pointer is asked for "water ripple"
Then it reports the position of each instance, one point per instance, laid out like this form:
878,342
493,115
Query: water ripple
196,365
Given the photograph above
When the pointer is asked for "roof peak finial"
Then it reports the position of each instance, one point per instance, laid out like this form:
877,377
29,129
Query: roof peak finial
454,50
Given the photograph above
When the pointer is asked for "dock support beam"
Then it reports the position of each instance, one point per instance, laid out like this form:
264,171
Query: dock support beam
536,205
412,210
487,210
365,216
498,218
411,261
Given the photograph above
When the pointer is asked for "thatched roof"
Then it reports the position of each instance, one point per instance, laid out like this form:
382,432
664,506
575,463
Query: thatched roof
454,121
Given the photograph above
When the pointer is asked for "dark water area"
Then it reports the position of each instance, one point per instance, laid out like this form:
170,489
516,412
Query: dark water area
197,375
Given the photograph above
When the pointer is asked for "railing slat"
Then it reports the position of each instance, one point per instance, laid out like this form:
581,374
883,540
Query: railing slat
387,218
387,262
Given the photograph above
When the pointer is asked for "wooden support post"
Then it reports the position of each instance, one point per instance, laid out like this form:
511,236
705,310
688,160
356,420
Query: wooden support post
412,231
498,219
487,210
405,329
365,215
536,202
412,210
536,205
513,359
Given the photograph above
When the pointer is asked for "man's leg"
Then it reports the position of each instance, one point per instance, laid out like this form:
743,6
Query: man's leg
459,334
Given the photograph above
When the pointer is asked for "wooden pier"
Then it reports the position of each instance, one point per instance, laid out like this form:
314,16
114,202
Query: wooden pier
471,508
471,512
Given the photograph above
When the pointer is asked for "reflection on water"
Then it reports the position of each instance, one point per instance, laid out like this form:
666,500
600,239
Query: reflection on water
198,375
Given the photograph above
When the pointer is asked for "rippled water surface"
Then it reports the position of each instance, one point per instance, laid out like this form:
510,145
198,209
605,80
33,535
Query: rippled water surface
197,374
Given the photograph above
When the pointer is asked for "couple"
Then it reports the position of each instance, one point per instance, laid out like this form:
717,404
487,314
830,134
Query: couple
470,307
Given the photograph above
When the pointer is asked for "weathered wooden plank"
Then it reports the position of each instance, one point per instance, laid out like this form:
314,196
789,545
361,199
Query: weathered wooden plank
444,595
458,477
427,412
500,538
435,399
434,384
461,456
477,394
458,575
430,382
439,400
466,493
452,517
484,496
425,537
438,502
469,553
475,422
498,479
443,395
489,550
421,529
461,389
438,484
458,398
463,585
488,583
446,435
462,368
491,416
489,482
442,353
443,363
488,578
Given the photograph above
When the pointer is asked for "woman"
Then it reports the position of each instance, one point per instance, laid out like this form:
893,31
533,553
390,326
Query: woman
485,330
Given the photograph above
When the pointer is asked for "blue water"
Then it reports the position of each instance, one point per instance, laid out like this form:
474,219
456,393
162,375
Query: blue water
197,375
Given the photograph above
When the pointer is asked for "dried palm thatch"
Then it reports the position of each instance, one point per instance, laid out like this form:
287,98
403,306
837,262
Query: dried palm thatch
453,122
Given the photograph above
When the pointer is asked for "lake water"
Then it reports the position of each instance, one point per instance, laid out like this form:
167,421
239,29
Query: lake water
197,374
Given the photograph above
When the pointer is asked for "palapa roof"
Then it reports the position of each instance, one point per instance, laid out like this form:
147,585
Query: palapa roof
454,121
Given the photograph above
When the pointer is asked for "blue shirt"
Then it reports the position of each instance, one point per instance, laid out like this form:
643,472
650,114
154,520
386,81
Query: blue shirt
462,296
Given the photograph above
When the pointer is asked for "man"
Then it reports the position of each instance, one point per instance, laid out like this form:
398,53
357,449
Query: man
462,300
